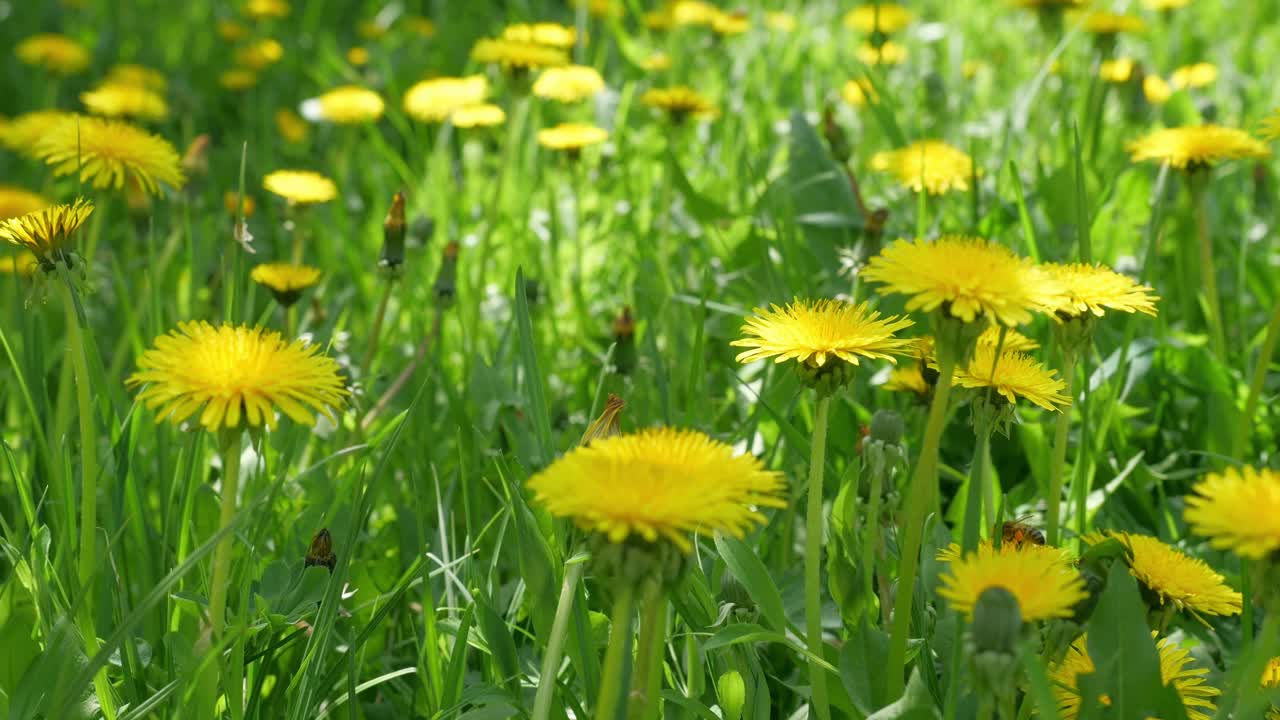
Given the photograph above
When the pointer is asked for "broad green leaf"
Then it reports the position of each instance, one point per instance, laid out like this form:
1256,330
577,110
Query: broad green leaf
754,576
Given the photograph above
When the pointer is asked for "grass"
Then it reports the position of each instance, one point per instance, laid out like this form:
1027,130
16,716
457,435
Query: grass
453,593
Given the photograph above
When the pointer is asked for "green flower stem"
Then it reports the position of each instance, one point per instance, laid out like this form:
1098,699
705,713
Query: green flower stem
88,557
375,335
1255,385
871,531
222,553
971,530
1208,274
646,681
1057,466
923,485
293,214
555,643
619,642
1246,605
813,559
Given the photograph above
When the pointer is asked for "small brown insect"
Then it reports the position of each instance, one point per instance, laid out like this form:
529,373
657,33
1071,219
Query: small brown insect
321,551
1018,533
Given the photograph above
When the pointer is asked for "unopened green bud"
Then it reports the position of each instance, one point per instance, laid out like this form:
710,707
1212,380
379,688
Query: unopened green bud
997,621
827,378
599,628
731,689
887,427
393,235
446,279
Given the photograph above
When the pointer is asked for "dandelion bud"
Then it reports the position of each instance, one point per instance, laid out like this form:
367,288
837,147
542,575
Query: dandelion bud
599,623
393,236
195,161
835,136
731,690
887,427
607,424
997,621
446,288
321,552
234,204
624,338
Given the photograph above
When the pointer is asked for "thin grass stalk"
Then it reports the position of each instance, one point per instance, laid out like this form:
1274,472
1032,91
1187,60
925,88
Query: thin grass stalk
813,559
375,335
1208,273
646,681
555,643
1244,429
1057,465
923,484
974,501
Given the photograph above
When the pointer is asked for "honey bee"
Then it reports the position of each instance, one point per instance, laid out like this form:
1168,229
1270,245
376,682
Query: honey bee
1017,532
321,552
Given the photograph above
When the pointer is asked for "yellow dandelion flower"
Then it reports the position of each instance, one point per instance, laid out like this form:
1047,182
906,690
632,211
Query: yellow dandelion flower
371,29
569,84
858,92
679,102
730,23
107,152
420,26
231,375
1014,341
546,33
600,8
1045,586
46,230
813,332
119,100
435,100
656,62
138,76
291,126
1014,375
927,165
259,55
237,79
968,276
1185,582
660,483
890,53
286,281
358,56
346,105
21,133
58,54
1193,76
477,116
909,379
783,22
232,31
1195,147
658,20
266,9
301,187
1156,90
1116,71
1102,22
953,552
877,16
15,201
572,137
1176,669
233,203
1165,4
1049,4
1094,289
519,56
1269,128
1271,679
22,264
682,13
1238,509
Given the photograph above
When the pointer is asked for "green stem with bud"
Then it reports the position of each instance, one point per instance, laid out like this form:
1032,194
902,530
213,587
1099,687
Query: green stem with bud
813,559
1057,466
923,486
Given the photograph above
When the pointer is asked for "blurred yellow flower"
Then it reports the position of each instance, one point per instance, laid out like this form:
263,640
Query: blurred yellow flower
22,264
656,62
1156,90
907,378
781,21
1196,146
435,100
730,23
232,31
813,332
21,133
420,26
231,199
890,53
58,54
600,8
968,277
1175,669
519,56
266,9
358,56
474,116
285,280
237,79
929,166
568,84
118,100
291,126
1045,586
1269,128
45,230
301,187
1165,4
679,102
138,76
659,484
1173,577
259,55
885,17
857,92
969,69
370,29
347,105
1116,71
107,152
15,201
571,137
229,376
546,33
1094,289
1102,22
1238,509
1193,76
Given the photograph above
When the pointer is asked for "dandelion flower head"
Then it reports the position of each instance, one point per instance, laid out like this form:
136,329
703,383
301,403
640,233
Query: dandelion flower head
1176,669
475,116
56,53
435,100
302,187
878,16
1045,586
569,84
1238,509
571,136
108,152
1195,147
1095,289
47,229
123,100
929,166
346,105
815,332
1185,582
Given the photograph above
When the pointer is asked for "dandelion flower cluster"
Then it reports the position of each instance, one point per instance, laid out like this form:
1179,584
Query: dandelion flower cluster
659,483
108,152
301,187
1176,669
1045,586
968,277
231,375
815,332
1095,289
1185,582
22,132
1196,146
929,166
436,99
1238,509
